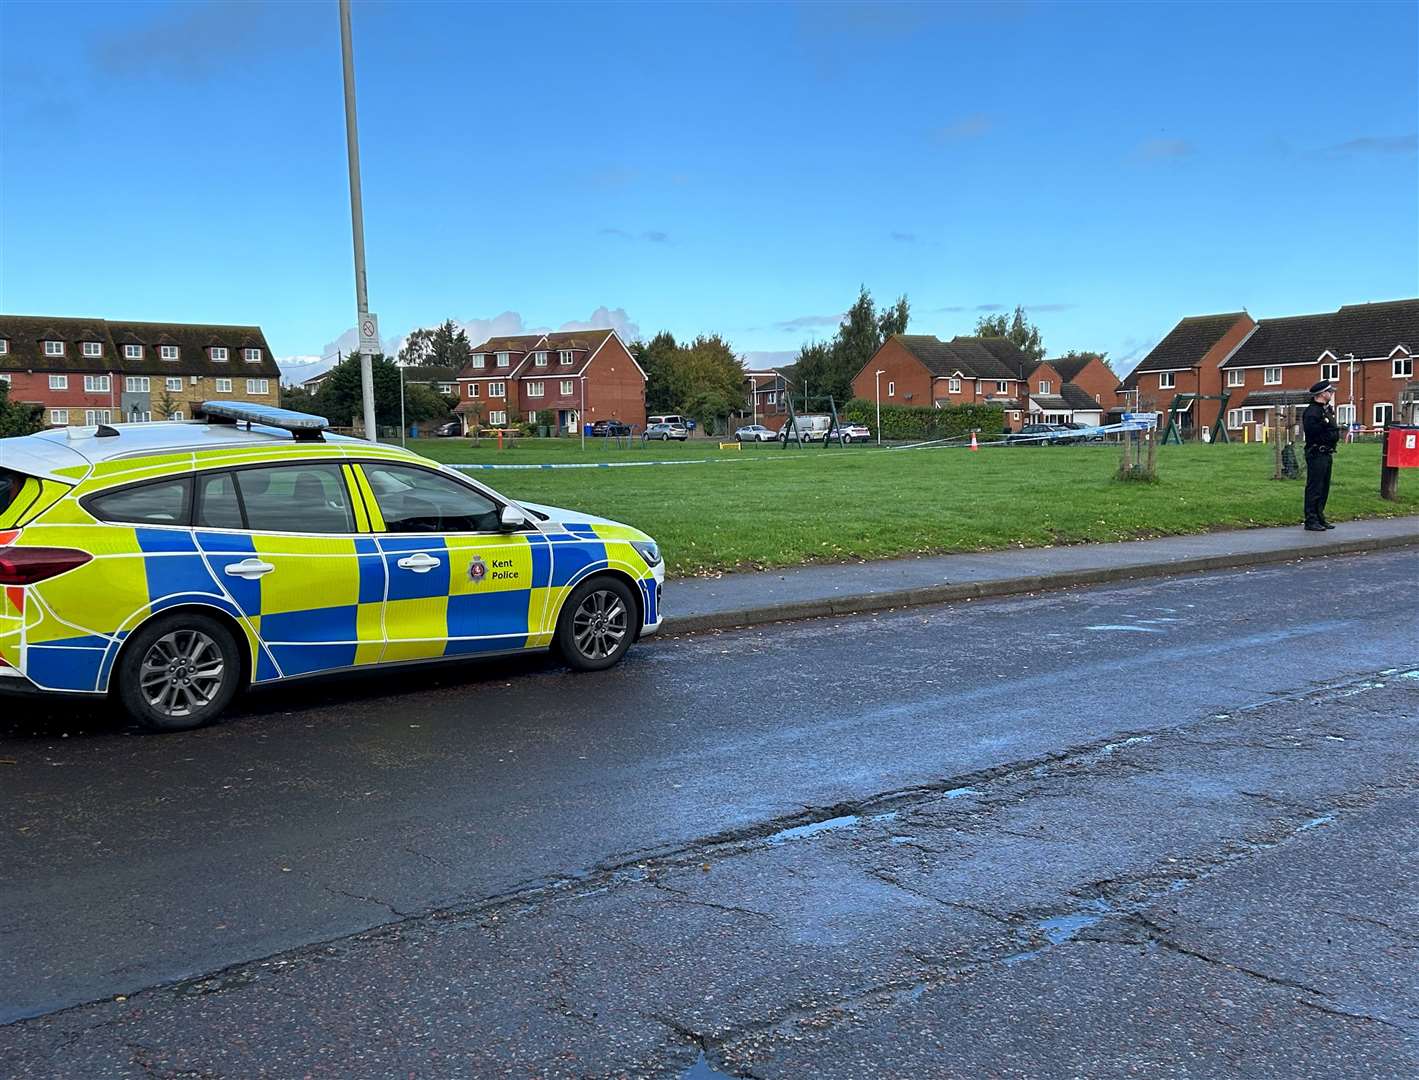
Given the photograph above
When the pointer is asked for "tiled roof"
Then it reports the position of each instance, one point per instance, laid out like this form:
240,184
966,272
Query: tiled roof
974,358
1186,344
1369,330
1069,366
1260,399
1364,330
1054,403
1292,340
26,332
1078,397
583,343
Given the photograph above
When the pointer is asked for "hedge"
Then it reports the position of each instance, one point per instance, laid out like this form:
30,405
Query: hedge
906,422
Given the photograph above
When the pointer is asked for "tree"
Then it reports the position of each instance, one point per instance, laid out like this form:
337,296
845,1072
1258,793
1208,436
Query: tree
340,398
17,418
423,403
168,405
1085,356
829,368
657,360
1025,335
713,377
445,345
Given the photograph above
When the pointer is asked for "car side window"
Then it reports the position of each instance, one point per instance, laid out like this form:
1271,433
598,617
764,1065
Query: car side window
217,504
295,498
418,501
165,503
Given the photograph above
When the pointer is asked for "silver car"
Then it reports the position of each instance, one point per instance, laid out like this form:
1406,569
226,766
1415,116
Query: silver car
666,431
756,433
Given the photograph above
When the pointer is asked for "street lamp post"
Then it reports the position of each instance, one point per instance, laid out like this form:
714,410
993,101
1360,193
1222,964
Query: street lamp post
877,379
357,221
401,404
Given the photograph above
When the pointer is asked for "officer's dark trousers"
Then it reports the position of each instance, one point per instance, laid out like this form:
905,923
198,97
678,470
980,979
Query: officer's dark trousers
1317,485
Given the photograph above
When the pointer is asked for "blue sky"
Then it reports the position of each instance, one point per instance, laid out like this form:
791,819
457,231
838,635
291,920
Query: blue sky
731,168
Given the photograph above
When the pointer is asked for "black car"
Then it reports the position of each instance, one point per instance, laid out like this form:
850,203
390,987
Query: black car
610,427
1040,435
449,430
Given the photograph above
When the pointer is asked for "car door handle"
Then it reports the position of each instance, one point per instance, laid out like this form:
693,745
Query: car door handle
420,563
251,569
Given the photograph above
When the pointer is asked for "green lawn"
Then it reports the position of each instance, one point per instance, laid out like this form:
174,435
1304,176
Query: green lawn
770,507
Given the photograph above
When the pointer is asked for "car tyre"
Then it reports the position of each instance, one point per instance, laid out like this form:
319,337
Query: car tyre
846,438
178,672
596,625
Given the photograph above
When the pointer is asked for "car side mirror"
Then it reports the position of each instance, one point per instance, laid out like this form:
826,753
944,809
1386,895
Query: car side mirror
512,518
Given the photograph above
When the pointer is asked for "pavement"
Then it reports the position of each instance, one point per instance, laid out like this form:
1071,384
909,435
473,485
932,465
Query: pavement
747,599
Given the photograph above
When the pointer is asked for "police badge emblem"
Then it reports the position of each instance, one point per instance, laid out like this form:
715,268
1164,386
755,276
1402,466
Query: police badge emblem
477,570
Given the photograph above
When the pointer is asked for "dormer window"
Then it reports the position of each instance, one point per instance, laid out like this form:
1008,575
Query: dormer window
219,353
540,359
479,360
54,348
251,356
1045,386
132,352
504,359
564,356
953,386
93,349
167,352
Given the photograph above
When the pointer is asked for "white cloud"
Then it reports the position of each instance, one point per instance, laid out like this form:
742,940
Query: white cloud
603,318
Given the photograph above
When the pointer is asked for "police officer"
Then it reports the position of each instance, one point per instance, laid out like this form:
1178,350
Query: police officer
1322,436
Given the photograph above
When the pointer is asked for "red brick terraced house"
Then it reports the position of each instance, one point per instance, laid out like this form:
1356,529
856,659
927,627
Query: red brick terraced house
922,370
766,396
1367,350
1188,360
97,371
1090,387
580,375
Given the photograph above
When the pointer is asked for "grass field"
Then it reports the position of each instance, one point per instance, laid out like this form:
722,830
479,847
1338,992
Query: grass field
767,507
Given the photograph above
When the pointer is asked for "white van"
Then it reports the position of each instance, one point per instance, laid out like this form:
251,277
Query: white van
807,427
673,418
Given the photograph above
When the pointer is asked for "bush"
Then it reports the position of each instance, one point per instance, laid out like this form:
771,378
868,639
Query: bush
907,422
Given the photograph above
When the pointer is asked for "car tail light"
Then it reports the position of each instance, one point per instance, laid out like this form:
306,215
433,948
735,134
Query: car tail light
27,565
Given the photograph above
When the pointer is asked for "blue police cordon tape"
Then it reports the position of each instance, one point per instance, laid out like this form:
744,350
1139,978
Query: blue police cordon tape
604,464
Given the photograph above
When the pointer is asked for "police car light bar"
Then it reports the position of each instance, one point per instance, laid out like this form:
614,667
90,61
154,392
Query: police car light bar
302,426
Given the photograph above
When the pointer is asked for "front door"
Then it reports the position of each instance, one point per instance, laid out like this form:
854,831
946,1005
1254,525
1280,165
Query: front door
458,584
283,541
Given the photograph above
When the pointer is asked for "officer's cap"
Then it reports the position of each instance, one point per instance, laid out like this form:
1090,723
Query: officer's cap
1320,387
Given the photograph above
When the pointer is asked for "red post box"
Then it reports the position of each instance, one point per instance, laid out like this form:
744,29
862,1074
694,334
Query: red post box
1402,447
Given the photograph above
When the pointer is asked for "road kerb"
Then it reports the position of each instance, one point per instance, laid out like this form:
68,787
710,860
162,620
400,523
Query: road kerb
948,592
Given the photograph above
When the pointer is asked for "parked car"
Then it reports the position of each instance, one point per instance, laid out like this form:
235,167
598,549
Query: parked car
449,430
610,427
810,427
671,418
666,431
169,565
1038,435
852,432
1074,425
755,433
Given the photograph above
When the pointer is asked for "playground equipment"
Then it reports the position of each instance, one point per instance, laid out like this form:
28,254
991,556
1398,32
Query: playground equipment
1182,402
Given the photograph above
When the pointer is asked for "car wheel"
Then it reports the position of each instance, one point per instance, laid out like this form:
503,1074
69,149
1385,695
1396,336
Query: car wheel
595,628
846,438
178,672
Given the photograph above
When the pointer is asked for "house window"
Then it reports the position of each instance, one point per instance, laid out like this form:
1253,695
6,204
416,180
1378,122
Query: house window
1330,371
59,382
1167,380
1002,387
173,384
478,360
5,378
1345,415
177,415
97,384
564,356
567,388
445,388
1384,413
540,359
224,386
536,389
219,353
1045,385
59,416
1014,416
1271,376
497,389
97,416
1236,377
504,359
891,389
4,346
497,416
472,390
54,348
258,386
92,348
167,352
137,416
132,352
1403,367
979,391
251,356
1239,417
953,386
136,384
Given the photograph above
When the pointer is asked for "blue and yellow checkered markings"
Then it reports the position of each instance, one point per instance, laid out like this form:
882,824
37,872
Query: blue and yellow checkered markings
175,569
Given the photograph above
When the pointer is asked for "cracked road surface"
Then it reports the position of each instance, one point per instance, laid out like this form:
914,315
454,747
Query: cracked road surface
1013,838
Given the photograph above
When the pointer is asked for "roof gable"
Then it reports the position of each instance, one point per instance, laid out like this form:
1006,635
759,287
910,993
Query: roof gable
1187,343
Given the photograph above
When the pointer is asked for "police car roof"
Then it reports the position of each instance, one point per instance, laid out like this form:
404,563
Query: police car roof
160,437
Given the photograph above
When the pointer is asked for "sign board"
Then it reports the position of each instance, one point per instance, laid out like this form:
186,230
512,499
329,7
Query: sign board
369,333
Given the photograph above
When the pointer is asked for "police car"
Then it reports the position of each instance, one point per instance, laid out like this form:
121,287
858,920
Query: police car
171,564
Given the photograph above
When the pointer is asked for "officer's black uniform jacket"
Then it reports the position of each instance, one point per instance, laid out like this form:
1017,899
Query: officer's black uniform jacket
1322,432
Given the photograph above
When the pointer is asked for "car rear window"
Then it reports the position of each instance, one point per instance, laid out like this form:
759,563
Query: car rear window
24,497
168,502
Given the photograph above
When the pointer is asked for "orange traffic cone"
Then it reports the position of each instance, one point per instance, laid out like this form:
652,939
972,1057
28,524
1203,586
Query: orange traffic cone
973,441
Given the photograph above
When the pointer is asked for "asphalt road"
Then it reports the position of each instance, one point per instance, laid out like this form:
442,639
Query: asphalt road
1161,829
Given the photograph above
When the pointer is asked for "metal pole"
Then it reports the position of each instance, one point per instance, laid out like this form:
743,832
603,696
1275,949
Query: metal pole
581,416
878,380
357,218
402,425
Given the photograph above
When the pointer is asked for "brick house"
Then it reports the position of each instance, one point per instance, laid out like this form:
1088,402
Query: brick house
922,370
580,375
1188,361
91,371
1090,386
766,396
1367,350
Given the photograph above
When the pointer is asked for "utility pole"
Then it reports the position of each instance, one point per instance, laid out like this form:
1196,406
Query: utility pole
357,219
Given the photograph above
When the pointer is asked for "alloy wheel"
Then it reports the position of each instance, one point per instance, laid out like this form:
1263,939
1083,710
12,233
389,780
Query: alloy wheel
181,672
600,624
